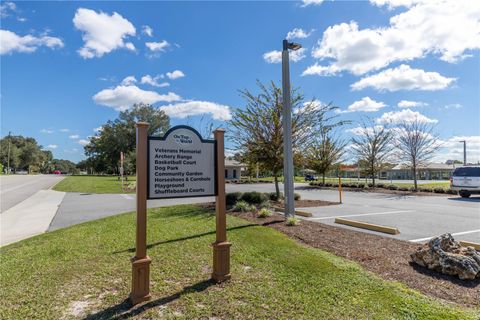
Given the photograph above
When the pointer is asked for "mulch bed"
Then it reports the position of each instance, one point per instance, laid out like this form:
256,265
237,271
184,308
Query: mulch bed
312,203
386,257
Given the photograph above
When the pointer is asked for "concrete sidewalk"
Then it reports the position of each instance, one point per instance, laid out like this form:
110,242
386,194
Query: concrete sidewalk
30,217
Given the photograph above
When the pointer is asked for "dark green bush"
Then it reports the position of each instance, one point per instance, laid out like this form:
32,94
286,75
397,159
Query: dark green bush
370,185
346,185
425,189
254,197
392,187
380,185
403,189
450,191
353,185
273,196
296,196
233,197
328,184
439,190
335,185
361,185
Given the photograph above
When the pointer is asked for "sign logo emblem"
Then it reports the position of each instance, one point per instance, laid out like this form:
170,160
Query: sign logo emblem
182,139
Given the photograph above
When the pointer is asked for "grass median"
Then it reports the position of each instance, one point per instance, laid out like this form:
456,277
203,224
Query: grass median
93,184
84,272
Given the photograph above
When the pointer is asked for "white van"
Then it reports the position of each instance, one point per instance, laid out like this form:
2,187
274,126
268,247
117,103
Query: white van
466,180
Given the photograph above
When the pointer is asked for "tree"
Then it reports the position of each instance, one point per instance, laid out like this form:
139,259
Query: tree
119,136
324,152
257,129
416,143
372,147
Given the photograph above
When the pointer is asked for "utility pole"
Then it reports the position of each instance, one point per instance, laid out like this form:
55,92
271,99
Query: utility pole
287,130
8,153
464,152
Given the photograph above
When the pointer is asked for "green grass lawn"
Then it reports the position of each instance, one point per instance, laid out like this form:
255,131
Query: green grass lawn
91,184
84,271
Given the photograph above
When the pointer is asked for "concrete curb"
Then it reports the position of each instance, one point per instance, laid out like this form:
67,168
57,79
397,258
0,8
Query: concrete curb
368,226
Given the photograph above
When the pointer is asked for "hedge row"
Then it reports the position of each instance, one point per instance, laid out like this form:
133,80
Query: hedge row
383,186
255,197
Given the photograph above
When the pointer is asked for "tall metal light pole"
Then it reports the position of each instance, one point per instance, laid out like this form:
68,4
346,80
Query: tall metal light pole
287,130
464,152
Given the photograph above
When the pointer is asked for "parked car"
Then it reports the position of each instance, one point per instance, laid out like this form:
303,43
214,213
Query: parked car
57,172
310,177
466,180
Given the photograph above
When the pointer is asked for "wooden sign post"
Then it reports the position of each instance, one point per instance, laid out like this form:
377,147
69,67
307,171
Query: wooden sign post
221,248
180,164
141,262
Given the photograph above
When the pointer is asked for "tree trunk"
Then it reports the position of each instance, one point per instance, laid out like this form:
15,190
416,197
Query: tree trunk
277,188
323,178
414,168
373,175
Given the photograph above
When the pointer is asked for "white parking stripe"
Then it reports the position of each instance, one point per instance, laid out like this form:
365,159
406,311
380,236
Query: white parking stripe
453,234
126,196
361,215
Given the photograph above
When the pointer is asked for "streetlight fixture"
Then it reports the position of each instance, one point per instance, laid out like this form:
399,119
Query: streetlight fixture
464,152
287,130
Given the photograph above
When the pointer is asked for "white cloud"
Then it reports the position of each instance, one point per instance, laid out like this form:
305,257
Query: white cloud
11,42
192,108
275,56
396,117
311,2
298,33
319,70
445,28
175,74
366,104
411,104
404,78
98,129
128,81
453,106
83,142
52,146
452,149
102,33
395,3
359,131
123,97
7,8
153,81
64,130
74,136
48,131
147,30
157,46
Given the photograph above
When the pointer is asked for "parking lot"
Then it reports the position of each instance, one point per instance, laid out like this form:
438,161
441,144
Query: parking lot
417,217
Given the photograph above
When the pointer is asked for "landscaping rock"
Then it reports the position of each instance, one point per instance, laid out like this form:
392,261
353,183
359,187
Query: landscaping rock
447,256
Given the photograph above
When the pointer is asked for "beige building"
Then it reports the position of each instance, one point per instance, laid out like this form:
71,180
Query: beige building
431,171
233,169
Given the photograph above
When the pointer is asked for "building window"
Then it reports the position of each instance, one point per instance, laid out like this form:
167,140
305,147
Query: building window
226,173
234,174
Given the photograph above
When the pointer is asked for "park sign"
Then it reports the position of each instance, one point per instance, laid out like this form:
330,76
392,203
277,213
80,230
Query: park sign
181,164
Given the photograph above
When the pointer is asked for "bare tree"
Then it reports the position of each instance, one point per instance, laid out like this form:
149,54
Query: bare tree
372,146
325,151
257,129
416,143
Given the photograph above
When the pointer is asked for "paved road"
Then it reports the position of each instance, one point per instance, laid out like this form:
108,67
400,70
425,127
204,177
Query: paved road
417,217
16,188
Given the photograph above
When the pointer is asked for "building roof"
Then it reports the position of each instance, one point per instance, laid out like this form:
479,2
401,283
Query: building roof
233,163
431,166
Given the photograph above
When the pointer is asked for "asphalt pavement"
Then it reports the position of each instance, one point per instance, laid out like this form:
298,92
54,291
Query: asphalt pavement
16,188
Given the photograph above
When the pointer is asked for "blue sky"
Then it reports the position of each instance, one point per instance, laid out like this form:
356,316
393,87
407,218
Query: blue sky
68,67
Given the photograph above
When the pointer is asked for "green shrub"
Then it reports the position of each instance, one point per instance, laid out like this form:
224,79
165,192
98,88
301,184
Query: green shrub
412,189
380,185
292,221
353,186
361,185
450,191
370,185
254,197
241,206
346,185
233,197
335,185
425,189
403,189
328,184
273,196
392,187
439,190
264,212
297,196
